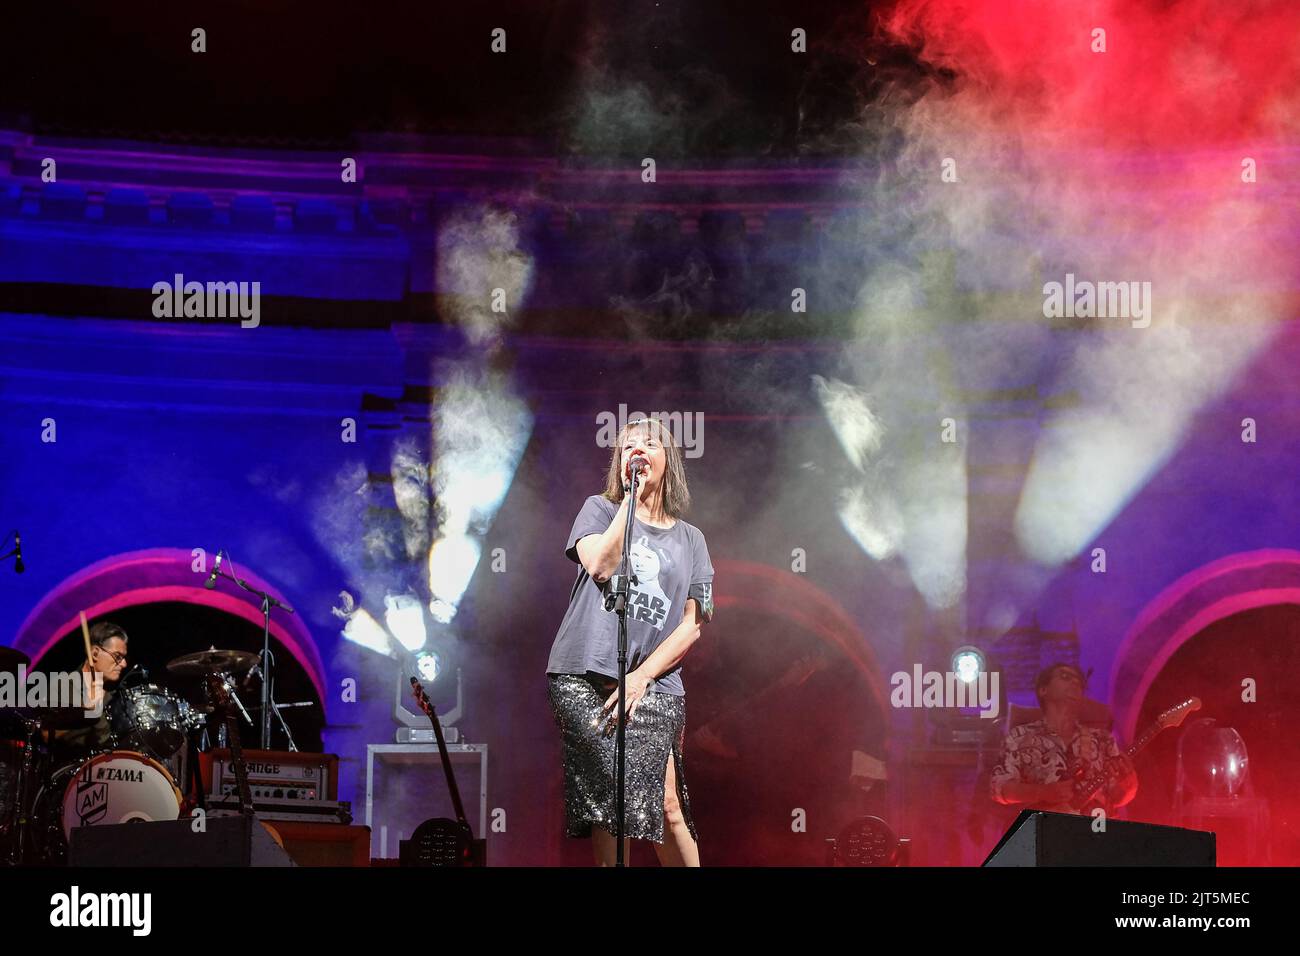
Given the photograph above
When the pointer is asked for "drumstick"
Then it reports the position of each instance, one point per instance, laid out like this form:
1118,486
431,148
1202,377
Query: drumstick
85,636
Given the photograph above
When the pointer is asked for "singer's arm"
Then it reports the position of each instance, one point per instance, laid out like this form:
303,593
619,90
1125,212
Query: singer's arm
600,554
670,653
665,657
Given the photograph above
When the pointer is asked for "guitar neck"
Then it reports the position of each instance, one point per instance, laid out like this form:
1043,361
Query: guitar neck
219,696
426,705
446,766
237,762
1140,744
1089,785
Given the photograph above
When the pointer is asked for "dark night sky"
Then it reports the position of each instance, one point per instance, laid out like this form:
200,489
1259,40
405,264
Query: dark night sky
316,72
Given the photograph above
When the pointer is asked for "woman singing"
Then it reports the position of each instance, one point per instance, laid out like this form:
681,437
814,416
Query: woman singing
672,597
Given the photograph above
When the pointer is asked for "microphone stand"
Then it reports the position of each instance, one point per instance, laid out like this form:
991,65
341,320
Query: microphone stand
268,602
16,553
618,591
276,708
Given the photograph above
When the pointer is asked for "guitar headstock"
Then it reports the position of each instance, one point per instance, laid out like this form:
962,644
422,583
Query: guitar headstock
218,689
1176,715
426,705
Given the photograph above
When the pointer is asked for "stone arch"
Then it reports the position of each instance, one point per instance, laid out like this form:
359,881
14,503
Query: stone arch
1220,589
154,575
790,596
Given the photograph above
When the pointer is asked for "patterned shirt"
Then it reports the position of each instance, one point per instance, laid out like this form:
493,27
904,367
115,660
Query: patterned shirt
1034,753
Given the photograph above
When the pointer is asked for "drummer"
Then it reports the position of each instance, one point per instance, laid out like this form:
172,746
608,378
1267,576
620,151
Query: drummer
107,657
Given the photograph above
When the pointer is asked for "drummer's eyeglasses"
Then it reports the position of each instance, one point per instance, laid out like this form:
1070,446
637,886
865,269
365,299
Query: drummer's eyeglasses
117,658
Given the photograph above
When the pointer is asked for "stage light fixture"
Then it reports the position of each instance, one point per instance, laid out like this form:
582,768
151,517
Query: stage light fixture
868,841
967,663
405,619
364,630
428,666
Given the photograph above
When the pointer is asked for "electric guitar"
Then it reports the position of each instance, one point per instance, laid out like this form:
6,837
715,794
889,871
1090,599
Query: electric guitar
1088,785
440,841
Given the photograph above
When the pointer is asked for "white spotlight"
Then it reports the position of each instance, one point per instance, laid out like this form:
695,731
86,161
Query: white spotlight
428,666
967,662
405,620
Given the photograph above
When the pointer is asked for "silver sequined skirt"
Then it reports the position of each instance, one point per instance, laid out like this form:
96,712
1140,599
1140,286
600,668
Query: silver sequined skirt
657,729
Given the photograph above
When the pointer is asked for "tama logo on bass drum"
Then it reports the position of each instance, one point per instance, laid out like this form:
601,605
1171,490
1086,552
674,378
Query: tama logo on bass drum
114,774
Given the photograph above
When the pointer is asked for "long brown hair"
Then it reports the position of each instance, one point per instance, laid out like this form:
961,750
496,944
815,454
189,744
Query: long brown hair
676,494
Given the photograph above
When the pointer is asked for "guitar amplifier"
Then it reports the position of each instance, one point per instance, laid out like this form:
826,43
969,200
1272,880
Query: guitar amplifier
273,775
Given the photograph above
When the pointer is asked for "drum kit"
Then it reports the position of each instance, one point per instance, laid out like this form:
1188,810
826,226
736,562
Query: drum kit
135,772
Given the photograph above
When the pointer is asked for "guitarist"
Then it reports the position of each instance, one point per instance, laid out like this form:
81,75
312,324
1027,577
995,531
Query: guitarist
1042,759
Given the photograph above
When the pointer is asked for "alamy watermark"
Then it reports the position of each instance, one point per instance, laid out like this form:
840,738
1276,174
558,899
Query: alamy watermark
1102,300
77,909
60,689
687,428
934,689
179,299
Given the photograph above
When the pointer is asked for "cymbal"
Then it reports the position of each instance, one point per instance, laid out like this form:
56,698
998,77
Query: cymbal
212,661
10,658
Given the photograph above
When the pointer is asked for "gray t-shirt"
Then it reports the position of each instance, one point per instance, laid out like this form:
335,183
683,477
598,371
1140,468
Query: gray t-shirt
671,565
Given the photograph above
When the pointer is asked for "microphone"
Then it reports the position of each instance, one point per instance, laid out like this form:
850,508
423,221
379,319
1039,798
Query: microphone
637,463
19,567
211,582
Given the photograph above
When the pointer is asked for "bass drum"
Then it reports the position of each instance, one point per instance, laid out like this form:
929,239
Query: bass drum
116,787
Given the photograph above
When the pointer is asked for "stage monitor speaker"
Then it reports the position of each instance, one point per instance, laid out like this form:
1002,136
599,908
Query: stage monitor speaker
1039,838
225,841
